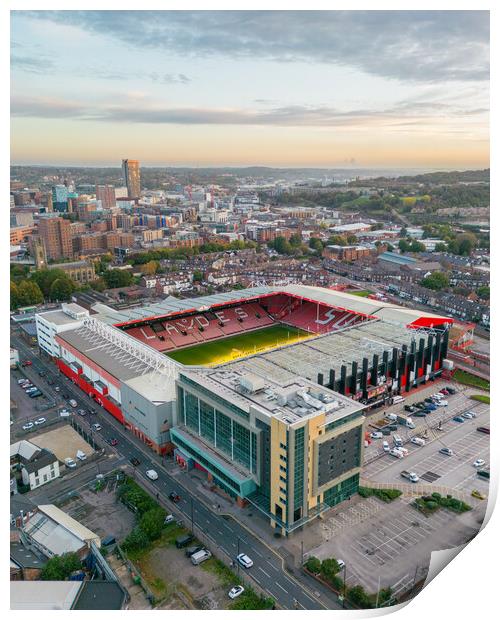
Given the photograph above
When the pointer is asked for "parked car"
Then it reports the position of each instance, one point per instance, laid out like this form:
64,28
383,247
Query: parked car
446,451
244,560
183,541
459,419
28,426
395,452
192,550
442,403
151,474
376,435
135,462
235,592
341,564
26,363
168,519
96,427
174,497
445,392
418,441
409,408
200,556
385,446
57,388
81,412
419,413
484,429
484,473
73,402
451,390
431,407
70,463
467,415
40,421
478,495
35,394
477,462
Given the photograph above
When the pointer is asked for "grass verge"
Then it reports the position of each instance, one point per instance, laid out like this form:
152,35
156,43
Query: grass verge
386,495
482,398
467,379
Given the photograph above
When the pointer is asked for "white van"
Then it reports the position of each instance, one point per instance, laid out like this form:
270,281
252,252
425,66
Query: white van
81,456
200,556
385,445
395,452
64,413
392,417
397,399
73,402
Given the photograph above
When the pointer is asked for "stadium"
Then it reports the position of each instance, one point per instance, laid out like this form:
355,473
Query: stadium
263,390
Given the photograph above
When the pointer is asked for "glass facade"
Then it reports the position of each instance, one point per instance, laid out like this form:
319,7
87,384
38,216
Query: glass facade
341,491
234,440
298,474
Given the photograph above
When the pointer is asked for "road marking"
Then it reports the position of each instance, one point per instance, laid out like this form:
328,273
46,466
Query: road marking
266,574
280,586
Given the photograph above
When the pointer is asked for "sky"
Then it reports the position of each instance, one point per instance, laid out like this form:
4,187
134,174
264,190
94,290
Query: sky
276,88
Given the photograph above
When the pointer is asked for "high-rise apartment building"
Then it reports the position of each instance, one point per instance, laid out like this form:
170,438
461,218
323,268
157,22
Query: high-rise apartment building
55,233
106,194
132,177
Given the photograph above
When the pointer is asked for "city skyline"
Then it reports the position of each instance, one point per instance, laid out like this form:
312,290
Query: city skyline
220,88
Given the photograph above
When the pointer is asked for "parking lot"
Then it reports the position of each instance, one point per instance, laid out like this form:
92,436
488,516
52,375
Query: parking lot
457,403
454,471
391,542
63,441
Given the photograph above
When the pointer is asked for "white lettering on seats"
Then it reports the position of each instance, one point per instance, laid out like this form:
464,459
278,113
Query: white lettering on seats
330,316
171,328
241,313
202,321
221,317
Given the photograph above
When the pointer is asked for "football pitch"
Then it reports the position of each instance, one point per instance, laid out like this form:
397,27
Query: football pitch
240,345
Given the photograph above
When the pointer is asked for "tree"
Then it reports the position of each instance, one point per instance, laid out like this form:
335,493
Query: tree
352,239
359,597
337,240
441,247
29,293
14,296
403,232
61,289
313,565
197,275
116,278
329,568
316,244
137,539
60,567
295,240
436,281
484,292
46,277
151,523
150,268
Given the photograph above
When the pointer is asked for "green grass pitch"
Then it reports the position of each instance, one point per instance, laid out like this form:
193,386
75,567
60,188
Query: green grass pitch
240,345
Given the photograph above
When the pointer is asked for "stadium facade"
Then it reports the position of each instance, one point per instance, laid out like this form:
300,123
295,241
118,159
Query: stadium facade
278,425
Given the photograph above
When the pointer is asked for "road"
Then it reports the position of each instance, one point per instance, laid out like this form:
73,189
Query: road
223,532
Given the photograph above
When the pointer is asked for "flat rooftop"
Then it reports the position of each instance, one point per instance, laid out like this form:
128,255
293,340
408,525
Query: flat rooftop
291,399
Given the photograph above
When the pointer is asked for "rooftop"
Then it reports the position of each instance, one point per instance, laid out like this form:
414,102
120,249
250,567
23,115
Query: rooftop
291,399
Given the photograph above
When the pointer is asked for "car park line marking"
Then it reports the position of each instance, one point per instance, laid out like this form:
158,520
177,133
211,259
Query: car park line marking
280,586
266,574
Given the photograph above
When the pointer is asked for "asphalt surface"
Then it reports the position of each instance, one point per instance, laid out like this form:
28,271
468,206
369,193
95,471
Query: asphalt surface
223,532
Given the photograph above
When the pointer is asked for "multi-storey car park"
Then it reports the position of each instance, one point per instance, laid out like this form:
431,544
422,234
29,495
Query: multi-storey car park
273,415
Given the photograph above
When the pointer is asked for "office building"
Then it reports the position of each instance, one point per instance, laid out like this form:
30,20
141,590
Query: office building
132,177
60,198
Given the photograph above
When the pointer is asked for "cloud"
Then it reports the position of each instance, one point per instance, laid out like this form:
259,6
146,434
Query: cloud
32,64
137,109
416,46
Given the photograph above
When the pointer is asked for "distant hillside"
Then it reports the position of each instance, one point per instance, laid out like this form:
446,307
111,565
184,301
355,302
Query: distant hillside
457,176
